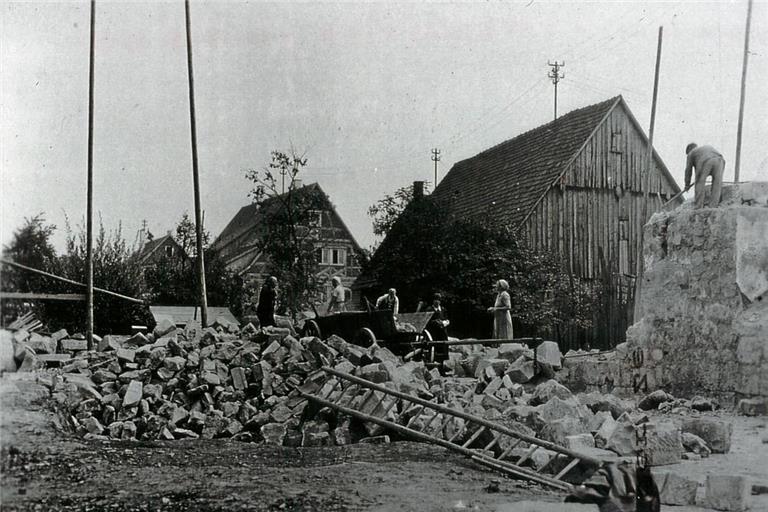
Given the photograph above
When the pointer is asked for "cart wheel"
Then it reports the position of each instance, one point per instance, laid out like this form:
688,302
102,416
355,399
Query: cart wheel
311,329
425,336
365,337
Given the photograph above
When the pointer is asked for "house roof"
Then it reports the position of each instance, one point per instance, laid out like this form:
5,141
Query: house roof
244,226
518,172
151,246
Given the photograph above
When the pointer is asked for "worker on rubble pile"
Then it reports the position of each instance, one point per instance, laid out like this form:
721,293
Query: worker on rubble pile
338,297
267,302
502,318
708,162
437,326
389,301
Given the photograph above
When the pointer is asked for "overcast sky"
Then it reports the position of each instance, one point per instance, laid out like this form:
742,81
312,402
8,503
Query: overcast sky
364,89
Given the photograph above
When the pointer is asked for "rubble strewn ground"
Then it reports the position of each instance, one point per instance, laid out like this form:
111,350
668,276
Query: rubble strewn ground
200,386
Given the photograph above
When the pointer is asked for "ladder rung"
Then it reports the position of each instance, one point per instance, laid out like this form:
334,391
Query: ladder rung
415,416
493,442
458,433
527,454
328,395
566,469
364,400
389,408
426,427
471,440
509,450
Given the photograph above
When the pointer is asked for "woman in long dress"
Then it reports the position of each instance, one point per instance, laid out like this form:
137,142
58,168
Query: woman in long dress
502,318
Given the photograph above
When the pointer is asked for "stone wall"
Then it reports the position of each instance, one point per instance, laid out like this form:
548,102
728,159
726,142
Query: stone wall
702,306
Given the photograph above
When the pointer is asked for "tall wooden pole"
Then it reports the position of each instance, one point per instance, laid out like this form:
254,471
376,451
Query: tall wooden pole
89,194
646,183
195,176
743,91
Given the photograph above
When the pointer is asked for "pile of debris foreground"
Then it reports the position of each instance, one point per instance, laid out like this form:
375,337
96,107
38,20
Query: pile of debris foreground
221,382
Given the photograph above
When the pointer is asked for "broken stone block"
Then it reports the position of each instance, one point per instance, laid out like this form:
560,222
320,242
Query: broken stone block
129,430
725,492
548,352
109,342
545,391
373,373
654,399
662,444
753,407
513,351
521,371
700,403
184,433
341,435
493,367
605,431
623,439
273,433
135,341
73,345
163,327
102,376
315,433
675,489
606,402
133,394
579,442
715,432
559,430
93,426
115,429
233,427
42,344
694,444
238,378
125,354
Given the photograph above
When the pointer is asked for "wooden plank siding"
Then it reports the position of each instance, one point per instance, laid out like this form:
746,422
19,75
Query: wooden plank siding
596,209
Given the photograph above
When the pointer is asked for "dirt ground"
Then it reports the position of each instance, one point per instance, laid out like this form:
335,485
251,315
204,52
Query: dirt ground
45,469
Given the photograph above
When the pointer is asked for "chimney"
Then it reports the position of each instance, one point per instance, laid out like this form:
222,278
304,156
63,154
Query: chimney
297,184
418,190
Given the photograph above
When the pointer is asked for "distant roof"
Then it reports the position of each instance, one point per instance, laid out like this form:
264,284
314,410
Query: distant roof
181,315
517,172
241,227
151,246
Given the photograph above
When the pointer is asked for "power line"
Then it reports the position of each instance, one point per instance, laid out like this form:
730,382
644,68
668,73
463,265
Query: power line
555,76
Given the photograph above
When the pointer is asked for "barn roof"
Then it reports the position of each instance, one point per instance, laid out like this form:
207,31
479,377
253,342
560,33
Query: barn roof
151,246
517,172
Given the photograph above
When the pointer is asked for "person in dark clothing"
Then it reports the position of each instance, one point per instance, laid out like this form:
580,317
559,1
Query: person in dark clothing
267,300
437,326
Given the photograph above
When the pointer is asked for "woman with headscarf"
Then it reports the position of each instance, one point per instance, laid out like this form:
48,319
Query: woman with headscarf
502,318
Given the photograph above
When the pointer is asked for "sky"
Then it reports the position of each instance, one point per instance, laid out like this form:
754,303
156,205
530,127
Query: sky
363,90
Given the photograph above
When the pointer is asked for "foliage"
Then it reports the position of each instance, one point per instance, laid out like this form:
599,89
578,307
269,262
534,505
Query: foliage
428,251
172,281
29,246
289,238
385,212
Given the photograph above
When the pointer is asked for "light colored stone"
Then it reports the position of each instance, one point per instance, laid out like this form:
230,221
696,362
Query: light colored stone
662,444
579,442
548,352
545,391
726,492
715,432
753,407
675,489
133,394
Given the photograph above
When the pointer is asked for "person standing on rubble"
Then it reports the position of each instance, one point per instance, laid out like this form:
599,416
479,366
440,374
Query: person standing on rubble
708,162
267,301
389,301
502,318
338,297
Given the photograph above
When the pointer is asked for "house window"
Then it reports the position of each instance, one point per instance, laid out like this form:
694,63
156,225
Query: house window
338,256
169,251
616,142
315,218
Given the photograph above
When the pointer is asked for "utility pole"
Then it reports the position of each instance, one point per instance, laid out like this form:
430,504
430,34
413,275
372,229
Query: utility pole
743,91
646,183
435,158
89,195
195,175
556,76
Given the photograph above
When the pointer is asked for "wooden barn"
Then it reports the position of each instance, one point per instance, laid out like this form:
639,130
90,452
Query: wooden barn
574,187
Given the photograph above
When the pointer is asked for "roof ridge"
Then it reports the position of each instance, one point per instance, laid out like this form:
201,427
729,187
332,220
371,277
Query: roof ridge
560,119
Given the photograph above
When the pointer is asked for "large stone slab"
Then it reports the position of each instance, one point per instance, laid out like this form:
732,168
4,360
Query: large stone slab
715,432
727,492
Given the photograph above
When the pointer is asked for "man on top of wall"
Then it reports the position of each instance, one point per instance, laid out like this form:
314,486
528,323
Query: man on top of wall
708,162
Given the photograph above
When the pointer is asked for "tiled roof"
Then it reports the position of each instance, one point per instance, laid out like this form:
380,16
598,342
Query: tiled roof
504,183
150,246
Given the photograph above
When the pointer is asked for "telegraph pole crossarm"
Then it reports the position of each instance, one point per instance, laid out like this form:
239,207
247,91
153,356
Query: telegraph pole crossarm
435,158
555,75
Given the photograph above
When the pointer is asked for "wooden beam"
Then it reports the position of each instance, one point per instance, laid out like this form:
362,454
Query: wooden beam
41,296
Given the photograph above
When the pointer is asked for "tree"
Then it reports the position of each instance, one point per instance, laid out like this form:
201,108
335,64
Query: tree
385,212
186,236
428,251
289,238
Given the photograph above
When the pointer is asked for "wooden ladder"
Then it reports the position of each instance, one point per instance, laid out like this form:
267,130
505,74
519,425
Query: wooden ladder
487,443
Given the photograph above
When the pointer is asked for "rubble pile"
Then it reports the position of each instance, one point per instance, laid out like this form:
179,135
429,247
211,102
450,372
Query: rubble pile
242,384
